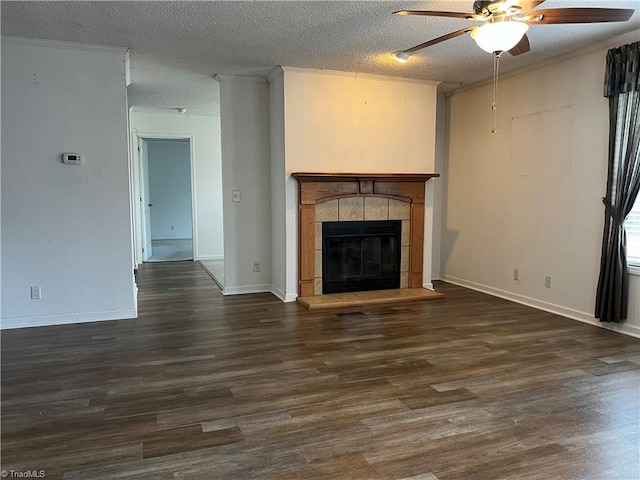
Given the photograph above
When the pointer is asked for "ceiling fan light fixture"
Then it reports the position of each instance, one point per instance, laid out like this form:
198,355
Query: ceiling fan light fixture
401,57
499,34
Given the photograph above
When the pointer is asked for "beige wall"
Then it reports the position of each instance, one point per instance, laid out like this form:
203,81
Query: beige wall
338,121
529,197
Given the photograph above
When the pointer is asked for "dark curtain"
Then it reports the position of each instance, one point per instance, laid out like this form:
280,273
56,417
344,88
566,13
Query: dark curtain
622,87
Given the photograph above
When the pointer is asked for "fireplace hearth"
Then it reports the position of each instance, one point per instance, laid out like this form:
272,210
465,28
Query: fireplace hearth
361,255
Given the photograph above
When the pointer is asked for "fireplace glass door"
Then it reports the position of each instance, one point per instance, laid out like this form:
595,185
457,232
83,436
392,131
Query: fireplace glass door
358,256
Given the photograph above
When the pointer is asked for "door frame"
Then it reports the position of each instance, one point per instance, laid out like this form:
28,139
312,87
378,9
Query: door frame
145,212
137,183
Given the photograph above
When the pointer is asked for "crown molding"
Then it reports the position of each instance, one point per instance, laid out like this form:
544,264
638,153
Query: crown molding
628,37
218,77
85,47
358,75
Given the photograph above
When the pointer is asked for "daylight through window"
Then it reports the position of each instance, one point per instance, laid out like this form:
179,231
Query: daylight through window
632,225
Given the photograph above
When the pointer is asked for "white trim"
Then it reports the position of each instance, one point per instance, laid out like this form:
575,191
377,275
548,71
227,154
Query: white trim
194,204
65,319
209,257
285,297
85,47
135,299
570,313
142,194
275,73
171,111
366,76
428,286
241,290
246,78
137,135
127,68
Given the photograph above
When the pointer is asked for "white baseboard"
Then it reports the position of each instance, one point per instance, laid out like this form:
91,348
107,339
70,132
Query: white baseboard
285,297
65,319
428,286
244,289
209,257
573,314
135,300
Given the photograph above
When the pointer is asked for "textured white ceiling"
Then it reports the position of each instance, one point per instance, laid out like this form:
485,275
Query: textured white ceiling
177,47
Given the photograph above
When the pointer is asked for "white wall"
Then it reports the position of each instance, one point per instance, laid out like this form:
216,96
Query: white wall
279,247
65,228
244,113
530,198
204,134
345,122
170,189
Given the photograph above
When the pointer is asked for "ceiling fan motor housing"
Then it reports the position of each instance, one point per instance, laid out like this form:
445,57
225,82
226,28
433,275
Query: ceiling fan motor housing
487,8
481,7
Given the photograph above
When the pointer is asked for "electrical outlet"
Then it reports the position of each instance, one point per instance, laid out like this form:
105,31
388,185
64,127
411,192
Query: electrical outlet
235,196
256,267
547,281
516,274
35,293
172,228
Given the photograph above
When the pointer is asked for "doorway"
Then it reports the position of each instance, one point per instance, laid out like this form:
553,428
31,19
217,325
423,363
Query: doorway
166,199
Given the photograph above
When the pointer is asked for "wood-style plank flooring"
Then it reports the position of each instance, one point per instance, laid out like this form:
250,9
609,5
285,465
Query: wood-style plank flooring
202,386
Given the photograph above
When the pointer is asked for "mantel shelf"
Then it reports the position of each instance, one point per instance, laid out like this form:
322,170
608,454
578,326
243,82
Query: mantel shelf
359,177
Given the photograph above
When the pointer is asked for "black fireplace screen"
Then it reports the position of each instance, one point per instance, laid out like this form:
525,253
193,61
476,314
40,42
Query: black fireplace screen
358,256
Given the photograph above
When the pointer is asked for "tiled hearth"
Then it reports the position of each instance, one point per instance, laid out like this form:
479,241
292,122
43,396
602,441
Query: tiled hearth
358,209
327,197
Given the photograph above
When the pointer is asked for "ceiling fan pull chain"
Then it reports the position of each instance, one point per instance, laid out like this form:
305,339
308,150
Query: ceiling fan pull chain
494,105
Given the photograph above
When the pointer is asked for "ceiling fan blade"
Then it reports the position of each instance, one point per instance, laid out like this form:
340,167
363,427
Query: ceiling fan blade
522,46
448,36
435,13
578,15
528,5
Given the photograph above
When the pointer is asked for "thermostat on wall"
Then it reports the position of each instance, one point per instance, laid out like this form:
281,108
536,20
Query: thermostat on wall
72,158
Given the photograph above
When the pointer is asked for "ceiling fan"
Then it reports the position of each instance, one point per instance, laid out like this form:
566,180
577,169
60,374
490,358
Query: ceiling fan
505,28
507,21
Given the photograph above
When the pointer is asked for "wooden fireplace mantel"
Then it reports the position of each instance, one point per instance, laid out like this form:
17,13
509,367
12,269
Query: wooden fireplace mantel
316,187
388,177
320,187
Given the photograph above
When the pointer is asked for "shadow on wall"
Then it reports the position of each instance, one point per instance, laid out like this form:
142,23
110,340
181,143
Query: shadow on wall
449,238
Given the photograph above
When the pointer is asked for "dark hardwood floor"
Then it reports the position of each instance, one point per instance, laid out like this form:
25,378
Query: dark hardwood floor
209,387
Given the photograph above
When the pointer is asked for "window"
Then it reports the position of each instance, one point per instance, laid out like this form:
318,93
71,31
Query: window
632,226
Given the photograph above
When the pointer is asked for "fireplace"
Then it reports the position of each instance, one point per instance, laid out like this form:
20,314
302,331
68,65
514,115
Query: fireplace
361,255
347,197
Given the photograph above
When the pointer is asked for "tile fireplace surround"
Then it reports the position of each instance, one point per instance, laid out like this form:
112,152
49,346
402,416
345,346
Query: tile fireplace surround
349,196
